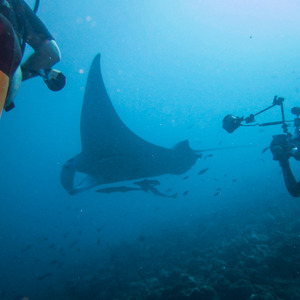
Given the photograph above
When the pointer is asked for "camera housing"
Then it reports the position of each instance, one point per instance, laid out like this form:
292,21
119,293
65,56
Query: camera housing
231,123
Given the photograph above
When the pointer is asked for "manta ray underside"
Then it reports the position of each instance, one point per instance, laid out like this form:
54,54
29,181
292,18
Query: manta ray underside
111,152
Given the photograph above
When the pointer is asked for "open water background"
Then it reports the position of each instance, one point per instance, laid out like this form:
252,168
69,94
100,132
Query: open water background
173,70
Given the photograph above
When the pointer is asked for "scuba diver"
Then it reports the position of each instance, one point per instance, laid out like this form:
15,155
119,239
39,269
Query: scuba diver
19,25
284,146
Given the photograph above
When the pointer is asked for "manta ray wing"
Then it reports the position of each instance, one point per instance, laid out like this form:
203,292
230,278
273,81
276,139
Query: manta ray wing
103,134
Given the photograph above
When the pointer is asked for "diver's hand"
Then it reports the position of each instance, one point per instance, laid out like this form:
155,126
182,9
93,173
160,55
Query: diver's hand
54,79
278,153
280,147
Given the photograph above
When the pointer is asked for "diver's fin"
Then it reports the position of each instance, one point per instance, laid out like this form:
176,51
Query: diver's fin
9,107
183,146
4,83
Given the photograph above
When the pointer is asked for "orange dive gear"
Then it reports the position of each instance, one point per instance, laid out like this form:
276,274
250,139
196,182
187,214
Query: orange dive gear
4,83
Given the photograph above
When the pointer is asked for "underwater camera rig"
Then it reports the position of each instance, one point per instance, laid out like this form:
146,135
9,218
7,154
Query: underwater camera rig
231,122
292,142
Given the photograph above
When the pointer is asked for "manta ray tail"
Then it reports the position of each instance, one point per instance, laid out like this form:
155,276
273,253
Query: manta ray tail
184,146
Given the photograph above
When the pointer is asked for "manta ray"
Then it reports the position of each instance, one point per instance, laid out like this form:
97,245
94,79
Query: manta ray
111,152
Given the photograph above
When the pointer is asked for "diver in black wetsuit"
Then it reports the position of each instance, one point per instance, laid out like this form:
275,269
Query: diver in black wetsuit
285,146
20,25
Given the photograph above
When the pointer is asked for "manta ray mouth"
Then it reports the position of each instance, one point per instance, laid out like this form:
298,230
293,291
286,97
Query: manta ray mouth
83,182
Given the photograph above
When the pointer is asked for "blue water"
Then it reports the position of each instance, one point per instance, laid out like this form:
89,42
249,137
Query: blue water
173,70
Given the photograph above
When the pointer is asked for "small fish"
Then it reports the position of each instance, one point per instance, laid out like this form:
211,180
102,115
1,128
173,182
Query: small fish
28,247
234,180
141,238
99,229
202,171
60,265
217,193
2,294
98,241
186,177
54,262
74,243
185,193
41,277
218,189
265,149
207,156
66,235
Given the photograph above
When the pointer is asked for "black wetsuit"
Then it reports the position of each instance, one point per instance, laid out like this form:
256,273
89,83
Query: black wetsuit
290,182
18,24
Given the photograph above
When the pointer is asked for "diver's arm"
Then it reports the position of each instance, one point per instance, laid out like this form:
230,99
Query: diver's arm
44,58
46,52
291,184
